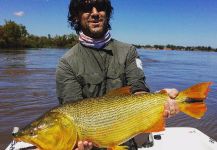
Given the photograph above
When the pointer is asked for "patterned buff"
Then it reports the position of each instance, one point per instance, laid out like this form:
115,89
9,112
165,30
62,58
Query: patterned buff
93,43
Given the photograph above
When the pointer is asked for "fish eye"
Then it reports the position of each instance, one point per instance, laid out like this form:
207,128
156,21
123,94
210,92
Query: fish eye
32,133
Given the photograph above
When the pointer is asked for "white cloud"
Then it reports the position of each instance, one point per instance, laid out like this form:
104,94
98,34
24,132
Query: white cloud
19,13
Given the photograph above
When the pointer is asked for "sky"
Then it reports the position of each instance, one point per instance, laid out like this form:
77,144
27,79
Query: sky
178,22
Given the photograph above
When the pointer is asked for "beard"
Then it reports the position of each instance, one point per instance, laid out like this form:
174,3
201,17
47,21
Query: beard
95,32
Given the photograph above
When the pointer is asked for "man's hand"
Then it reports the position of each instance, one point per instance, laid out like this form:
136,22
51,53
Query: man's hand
84,145
170,108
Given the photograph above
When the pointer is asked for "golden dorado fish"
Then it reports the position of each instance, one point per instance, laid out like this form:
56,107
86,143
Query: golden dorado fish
110,120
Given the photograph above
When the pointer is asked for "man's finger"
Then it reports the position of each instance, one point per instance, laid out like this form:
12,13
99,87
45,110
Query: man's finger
172,92
166,113
85,143
166,110
177,108
171,106
80,145
90,145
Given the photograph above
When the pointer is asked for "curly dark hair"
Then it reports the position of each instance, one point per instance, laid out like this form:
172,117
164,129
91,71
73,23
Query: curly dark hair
77,6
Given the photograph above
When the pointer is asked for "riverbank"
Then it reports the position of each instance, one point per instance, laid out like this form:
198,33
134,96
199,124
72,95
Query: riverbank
22,39
149,47
179,48
15,36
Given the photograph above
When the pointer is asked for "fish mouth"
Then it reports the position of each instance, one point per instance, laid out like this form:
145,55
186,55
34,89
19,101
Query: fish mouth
30,146
17,140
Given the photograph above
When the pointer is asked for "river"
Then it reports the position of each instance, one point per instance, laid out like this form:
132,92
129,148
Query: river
27,84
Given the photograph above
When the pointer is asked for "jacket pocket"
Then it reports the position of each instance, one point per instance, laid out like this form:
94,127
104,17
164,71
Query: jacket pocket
91,84
115,79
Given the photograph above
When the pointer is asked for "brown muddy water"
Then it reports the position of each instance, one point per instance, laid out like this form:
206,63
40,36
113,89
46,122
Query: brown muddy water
27,84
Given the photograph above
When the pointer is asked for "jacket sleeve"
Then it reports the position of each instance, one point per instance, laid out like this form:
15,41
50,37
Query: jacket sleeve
134,72
67,87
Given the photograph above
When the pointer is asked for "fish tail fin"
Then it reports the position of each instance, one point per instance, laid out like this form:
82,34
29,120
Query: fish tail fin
198,91
193,104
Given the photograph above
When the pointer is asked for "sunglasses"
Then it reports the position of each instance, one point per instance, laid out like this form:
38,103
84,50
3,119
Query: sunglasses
88,7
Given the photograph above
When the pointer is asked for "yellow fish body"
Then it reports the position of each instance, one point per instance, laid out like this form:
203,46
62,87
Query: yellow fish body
110,120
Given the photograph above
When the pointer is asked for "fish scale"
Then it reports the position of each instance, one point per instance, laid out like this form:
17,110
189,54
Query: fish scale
110,120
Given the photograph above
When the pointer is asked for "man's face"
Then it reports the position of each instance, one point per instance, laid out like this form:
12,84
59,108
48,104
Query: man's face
93,20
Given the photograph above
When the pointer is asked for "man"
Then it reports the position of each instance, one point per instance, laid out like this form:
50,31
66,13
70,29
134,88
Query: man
99,63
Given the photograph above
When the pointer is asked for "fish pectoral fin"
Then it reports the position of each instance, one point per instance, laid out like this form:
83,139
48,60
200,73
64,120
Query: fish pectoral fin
118,148
157,127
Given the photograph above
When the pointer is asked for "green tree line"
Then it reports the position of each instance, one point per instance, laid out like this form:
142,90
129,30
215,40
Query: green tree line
16,36
13,35
174,47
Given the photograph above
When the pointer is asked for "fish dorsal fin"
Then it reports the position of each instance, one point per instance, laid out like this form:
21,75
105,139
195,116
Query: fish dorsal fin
120,91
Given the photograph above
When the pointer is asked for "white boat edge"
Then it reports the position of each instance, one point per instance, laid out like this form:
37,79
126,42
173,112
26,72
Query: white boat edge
182,138
172,138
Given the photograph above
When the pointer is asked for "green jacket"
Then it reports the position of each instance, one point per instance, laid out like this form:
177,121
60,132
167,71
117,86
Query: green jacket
85,72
